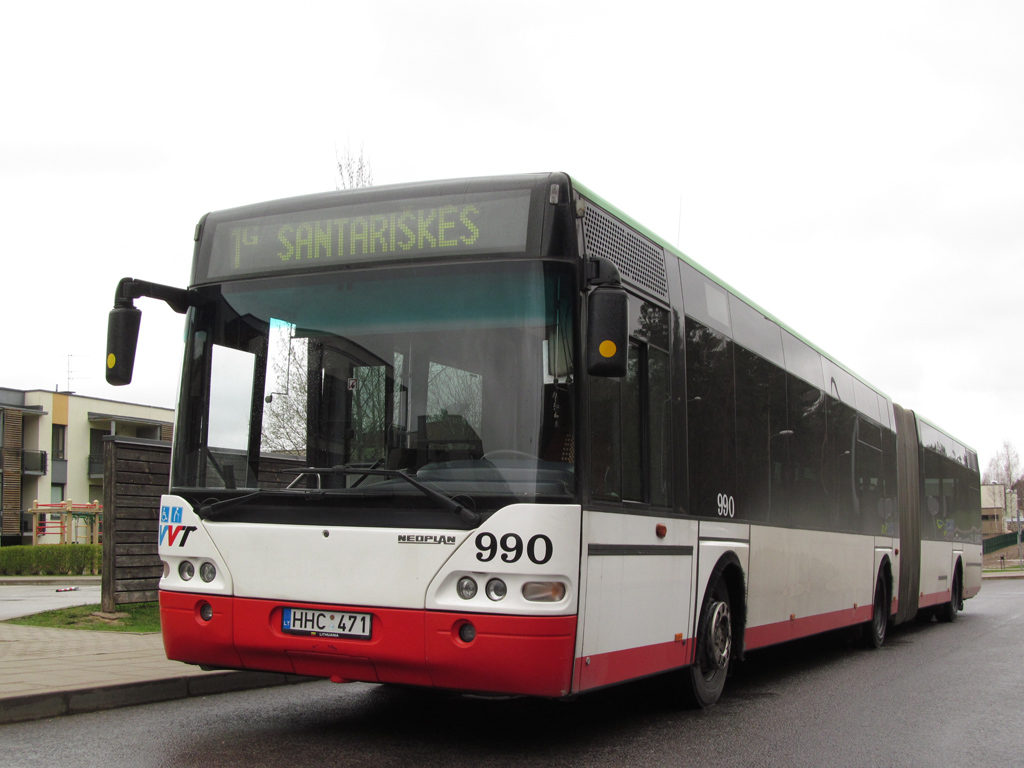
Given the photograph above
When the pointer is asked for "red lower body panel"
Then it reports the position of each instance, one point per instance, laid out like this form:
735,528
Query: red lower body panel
527,655
780,632
934,598
603,669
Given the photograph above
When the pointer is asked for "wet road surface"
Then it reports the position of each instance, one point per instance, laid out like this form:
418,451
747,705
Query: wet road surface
934,695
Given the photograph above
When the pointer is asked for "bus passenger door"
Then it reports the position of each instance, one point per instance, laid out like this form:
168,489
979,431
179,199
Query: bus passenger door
637,601
637,559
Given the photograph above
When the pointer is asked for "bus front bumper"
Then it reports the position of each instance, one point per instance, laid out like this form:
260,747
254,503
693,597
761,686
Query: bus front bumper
514,655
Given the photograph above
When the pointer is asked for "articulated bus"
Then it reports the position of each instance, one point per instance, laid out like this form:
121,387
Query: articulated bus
494,436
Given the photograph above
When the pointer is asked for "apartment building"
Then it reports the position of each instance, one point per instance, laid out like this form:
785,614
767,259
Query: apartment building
51,449
998,510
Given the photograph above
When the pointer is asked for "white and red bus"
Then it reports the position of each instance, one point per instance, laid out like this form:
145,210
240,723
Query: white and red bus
492,435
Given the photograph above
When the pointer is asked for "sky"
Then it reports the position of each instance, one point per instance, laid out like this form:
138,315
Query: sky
857,169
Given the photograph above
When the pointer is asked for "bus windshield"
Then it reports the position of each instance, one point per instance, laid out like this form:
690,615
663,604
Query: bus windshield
460,375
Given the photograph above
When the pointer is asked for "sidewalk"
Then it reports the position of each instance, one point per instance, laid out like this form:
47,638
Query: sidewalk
50,672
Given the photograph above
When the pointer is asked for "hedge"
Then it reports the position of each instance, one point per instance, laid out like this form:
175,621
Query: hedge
51,560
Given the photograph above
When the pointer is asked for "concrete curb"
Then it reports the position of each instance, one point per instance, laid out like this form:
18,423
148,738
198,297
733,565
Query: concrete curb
1010,575
18,709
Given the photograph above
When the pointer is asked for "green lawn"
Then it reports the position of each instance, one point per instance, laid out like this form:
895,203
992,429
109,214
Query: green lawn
137,617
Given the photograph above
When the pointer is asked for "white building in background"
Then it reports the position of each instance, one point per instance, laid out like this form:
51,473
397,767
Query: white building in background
998,510
51,450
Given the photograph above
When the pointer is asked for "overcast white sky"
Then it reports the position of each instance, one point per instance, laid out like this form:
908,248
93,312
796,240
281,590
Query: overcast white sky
855,168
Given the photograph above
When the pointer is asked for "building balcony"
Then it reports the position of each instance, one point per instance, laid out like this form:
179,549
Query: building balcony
33,462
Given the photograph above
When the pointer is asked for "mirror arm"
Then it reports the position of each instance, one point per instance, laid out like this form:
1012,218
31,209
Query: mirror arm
601,271
129,289
125,318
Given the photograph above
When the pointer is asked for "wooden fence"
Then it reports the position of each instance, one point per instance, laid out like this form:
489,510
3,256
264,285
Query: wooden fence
135,473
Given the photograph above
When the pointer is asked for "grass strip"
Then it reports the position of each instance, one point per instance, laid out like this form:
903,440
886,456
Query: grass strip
135,617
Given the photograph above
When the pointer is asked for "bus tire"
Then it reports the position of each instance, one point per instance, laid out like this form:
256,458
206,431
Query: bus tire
705,678
875,630
951,610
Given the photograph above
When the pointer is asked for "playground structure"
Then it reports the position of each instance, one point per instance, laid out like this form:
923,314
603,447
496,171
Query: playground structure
67,523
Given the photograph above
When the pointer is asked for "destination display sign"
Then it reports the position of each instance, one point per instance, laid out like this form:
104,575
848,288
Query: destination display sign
488,222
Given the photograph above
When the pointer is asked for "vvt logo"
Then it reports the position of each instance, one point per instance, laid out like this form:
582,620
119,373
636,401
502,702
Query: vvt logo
168,530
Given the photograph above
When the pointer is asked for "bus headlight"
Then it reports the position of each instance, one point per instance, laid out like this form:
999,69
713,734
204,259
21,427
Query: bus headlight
186,570
496,589
466,588
207,572
543,591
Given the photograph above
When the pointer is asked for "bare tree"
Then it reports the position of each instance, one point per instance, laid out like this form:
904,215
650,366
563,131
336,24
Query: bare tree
1004,468
354,172
452,392
284,416
369,413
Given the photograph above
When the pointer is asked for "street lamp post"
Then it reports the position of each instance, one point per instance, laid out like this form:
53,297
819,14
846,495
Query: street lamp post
1020,555
1010,497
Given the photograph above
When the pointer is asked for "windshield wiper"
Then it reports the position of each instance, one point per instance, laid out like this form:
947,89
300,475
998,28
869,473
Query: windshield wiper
210,508
468,516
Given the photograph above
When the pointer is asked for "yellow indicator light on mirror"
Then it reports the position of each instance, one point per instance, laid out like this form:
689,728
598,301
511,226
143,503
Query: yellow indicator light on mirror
111,360
607,348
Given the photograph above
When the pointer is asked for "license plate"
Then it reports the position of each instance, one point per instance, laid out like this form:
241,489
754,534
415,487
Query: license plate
301,621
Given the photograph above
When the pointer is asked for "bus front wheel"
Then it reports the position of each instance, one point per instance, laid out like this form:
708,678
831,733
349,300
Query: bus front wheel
705,679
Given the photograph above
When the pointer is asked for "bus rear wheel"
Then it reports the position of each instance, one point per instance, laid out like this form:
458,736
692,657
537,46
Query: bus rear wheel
951,610
874,630
705,679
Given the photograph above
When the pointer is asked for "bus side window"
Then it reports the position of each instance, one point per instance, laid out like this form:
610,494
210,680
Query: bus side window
631,442
762,438
807,418
606,395
659,416
711,422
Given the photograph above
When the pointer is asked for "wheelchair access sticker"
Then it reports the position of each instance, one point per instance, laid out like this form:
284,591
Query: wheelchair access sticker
169,516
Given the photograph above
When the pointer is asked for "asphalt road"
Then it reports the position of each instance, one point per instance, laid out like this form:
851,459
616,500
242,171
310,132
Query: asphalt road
934,695
24,599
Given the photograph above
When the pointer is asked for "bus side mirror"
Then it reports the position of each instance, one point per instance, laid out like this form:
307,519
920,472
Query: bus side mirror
122,341
124,320
607,331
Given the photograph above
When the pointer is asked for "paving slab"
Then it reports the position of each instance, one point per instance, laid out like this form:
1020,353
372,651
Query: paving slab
49,672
